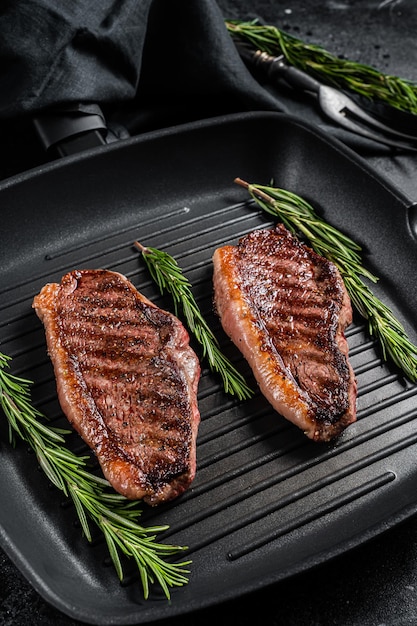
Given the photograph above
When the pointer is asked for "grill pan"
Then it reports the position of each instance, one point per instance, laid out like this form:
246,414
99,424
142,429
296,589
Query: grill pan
266,502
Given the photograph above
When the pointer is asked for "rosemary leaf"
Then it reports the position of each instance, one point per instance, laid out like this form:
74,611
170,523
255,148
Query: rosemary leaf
114,515
300,217
168,276
114,554
80,511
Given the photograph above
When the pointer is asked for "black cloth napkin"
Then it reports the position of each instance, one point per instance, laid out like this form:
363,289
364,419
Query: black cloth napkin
142,59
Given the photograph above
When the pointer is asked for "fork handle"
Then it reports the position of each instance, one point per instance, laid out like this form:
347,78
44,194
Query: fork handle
277,67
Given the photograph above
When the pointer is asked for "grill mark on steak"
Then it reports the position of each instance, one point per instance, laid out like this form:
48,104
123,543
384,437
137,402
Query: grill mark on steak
286,308
126,379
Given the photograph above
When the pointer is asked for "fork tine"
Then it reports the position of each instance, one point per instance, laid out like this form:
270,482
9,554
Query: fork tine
337,106
358,112
378,137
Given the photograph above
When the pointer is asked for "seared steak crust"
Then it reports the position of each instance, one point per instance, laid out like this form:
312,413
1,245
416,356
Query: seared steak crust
126,379
286,308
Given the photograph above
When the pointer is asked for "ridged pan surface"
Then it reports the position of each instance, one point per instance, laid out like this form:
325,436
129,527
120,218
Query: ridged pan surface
266,502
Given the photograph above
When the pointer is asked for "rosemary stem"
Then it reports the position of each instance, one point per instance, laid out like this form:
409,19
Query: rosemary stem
169,277
365,80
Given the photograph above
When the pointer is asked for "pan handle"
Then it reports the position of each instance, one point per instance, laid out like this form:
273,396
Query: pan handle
69,130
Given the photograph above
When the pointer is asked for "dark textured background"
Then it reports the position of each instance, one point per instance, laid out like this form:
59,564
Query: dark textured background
375,584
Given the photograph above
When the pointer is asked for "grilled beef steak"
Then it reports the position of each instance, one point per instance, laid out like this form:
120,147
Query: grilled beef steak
126,379
286,308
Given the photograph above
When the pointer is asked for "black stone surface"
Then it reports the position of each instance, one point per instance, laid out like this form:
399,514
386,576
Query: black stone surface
375,584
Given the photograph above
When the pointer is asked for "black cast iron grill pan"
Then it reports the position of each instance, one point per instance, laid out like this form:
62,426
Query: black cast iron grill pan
266,502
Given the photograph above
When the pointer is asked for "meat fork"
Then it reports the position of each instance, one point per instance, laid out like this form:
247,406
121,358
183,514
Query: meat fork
335,104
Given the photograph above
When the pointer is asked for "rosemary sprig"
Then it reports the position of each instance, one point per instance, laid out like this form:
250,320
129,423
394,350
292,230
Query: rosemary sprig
357,77
113,514
300,217
167,274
